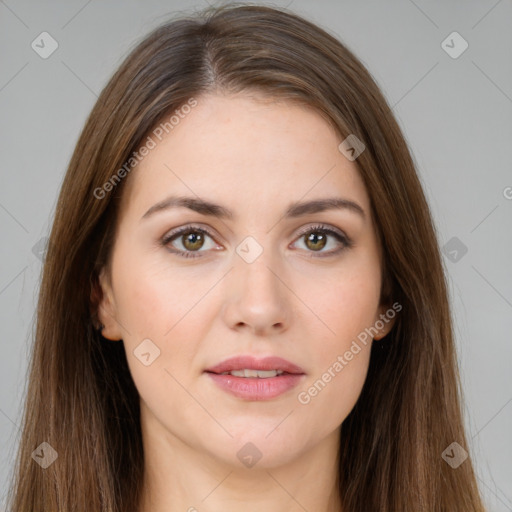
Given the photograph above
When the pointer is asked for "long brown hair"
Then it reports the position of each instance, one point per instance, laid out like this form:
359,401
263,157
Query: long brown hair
81,399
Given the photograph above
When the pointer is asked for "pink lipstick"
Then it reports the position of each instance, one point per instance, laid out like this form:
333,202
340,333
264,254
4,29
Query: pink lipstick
255,379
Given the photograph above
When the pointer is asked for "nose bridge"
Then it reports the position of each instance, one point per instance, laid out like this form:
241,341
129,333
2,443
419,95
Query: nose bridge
255,267
255,295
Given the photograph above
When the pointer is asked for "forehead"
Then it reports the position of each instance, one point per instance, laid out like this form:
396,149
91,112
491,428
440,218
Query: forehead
245,150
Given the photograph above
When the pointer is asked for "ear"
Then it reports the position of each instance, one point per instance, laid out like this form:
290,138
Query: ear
106,312
385,320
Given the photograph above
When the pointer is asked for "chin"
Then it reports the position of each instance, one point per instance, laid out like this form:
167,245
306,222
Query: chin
257,449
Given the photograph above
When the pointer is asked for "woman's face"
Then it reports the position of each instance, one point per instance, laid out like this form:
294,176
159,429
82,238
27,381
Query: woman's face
276,277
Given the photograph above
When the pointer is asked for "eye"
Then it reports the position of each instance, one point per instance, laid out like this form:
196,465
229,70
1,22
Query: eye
316,238
191,239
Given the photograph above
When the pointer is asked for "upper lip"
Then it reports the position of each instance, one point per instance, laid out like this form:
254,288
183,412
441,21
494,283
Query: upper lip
252,363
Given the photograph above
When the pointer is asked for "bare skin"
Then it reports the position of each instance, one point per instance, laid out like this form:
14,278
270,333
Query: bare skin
301,299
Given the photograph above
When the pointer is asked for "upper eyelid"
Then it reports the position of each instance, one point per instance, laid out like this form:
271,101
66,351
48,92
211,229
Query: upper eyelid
321,226
189,227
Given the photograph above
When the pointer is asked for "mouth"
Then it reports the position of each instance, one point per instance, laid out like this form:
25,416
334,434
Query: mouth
256,379
250,367
247,373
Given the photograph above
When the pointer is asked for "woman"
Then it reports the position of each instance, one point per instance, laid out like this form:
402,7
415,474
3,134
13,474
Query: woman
243,300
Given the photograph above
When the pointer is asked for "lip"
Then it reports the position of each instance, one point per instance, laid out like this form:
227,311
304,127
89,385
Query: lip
253,363
254,388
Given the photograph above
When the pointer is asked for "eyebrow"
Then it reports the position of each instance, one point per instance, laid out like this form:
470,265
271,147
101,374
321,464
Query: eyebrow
295,209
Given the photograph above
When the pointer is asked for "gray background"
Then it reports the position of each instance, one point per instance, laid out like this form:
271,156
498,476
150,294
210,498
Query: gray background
455,112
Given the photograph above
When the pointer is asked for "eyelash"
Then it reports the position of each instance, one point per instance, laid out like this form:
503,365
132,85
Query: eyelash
347,243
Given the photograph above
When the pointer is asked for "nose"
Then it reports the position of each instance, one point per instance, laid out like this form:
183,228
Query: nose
257,299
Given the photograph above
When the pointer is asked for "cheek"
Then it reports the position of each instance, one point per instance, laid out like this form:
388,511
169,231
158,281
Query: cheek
341,355
152,300
160,306
340,361
329,397
347,300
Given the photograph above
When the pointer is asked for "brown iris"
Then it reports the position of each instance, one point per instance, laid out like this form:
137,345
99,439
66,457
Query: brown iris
318,241
193,240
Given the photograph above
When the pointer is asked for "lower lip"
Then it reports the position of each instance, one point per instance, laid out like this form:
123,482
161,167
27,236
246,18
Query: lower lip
250,388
